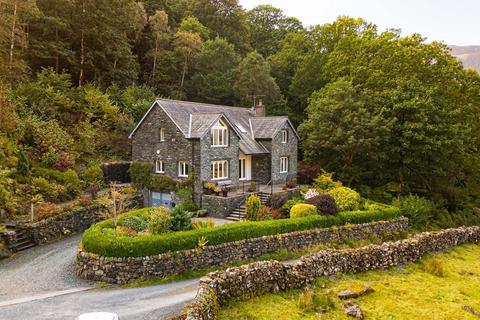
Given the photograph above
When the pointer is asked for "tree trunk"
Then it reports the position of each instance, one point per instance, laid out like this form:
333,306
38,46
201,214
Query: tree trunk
57,59
82,50
12,39
155,58
183,73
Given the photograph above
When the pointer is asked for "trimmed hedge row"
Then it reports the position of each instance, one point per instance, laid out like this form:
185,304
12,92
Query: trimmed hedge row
96,241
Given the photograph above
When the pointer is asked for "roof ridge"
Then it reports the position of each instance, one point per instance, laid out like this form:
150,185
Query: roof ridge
203,103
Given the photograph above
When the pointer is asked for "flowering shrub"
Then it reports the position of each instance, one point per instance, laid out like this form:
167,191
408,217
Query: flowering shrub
325,182
310,194
325,204
264,213
345,198
302,210
159,220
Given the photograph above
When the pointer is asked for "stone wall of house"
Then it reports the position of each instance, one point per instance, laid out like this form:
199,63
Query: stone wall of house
230,153
124,269
289,150
272,276
261,168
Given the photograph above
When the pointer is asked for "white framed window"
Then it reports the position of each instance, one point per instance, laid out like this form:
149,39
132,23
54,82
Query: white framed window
283,164
182,169
219,134
159,166
284,136
242,172
161,134
219,169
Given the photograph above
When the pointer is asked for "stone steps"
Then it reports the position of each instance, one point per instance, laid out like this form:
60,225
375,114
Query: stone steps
239,213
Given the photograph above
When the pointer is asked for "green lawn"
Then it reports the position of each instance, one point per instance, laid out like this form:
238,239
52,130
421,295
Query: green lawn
413,292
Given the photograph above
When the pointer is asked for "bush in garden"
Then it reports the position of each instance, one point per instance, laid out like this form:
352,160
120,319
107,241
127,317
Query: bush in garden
325,182
264,213
325,204
44,210
303,210
64,161
159,221
285,209
181,219
85,201
93,176
278,200
184,194
418,210
310,194
161,183
252,205
23,165
49,157
126,231
135,223
188,206
306,172
346,199
72,181
203,224
140,174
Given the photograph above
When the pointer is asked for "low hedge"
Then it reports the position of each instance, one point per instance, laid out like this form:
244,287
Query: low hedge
106,244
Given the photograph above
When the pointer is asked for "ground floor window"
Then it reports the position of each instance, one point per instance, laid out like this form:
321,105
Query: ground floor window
242,172
219,169
182,169
283,164
159,166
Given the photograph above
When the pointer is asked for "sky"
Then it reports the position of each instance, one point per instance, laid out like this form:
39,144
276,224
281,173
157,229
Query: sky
454,22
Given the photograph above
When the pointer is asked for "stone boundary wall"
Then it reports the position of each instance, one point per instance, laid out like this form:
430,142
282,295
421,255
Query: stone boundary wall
121,270
272,276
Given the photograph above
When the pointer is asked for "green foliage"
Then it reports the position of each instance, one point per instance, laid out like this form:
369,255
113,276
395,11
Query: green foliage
184,194
181,219
95,240
23,165
188,206
161,183
203,224
345,198
252,205
324,182
303,210
136,223
418,210
434,266
72,181
192,25
285,209
159,220
93,176
50,191
140,174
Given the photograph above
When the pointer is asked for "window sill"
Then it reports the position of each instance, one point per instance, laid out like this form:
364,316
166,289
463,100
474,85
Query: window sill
218,146
223,178
182,176
160,172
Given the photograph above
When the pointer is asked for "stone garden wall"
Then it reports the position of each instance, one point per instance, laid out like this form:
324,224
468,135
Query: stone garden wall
272,276
124,269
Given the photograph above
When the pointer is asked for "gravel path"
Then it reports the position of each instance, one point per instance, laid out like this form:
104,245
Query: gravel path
41,269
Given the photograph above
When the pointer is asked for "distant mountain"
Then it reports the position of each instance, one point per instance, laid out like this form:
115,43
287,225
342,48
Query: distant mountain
469,55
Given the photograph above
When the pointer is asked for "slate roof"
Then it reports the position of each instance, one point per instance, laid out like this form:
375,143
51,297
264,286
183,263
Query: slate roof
194,119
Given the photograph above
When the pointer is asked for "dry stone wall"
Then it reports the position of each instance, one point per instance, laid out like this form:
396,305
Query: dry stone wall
272,276
125,269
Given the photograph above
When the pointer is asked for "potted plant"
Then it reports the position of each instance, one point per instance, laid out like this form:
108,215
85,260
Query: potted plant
208,187
217,190
225,191
252,187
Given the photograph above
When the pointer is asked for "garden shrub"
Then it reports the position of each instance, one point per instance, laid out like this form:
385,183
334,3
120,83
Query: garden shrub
345,198
325,182
135,223
419,211
264,213
72,181
252,205
44,210
285,209
93,176
159,221
184,194
306,172
140,174
188,206
180,219
98,240
203,224
161,183
325,204
278,200
126,231
303,210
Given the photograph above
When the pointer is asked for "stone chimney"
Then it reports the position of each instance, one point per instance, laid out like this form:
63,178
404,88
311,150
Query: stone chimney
260,109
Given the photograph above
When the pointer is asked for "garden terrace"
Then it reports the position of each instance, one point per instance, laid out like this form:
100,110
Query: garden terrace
101,240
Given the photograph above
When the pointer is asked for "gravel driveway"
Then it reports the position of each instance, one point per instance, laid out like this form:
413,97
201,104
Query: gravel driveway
41,269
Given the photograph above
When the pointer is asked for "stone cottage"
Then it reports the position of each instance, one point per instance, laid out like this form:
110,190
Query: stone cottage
229,146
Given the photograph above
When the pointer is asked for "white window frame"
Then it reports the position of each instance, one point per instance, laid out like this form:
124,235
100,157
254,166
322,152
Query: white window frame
161,133
283,164
183,169
219,133
159,166
219,169
284,136
242,164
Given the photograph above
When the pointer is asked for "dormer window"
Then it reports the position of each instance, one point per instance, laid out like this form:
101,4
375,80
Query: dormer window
161,134
284,136
219,134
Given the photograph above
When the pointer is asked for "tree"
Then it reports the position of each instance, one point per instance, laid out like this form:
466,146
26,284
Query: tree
160,29
192,25
253,78
268,27
23,165
187,44
214,73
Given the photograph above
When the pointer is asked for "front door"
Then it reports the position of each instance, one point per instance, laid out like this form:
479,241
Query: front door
245,167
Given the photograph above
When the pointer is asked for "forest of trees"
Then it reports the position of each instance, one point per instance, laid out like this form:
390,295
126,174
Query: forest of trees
390,115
